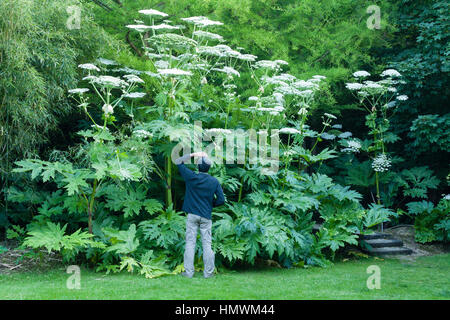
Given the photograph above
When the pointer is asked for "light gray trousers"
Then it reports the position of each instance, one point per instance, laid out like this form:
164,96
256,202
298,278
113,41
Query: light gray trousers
193,222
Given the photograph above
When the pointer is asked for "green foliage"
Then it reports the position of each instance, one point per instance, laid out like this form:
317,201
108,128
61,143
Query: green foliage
123,242
377,214
248,232
16,232
119,169
165,230
130,201
421,53
432,222
37,70
431,133
150,268
360,174
417,181
54,238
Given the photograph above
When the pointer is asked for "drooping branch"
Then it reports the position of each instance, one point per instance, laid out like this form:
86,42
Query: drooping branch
127,37
105,6
101,4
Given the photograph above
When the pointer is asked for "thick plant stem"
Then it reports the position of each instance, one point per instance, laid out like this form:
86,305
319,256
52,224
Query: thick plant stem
90,220
240,189
378,187
91,206
169,182
376,172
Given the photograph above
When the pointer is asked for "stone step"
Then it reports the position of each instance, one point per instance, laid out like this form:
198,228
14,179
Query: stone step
376,235
382,243
391,251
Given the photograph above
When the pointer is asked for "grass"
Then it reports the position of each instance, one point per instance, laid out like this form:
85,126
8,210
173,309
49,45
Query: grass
424,278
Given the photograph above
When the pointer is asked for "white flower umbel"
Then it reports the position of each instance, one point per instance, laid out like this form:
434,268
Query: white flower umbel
302,84
164,26
391,89
220,50
142,133
78,90
153,13
354,86
302,111
247,57
107,62
228,70
306,93
372,85
131,78
285,77
281,62
139,27
274,80
381,163
352,146
390,73
134,95
345,135
174,72
201,21
337,126
327,136
208,35
109,81
361,74
402,97
108,109
289,131
268,64
89,66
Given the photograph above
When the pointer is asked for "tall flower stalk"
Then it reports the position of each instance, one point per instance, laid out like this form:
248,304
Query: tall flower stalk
379,98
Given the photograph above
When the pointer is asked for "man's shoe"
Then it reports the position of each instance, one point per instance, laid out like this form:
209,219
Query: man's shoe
184,274
210,276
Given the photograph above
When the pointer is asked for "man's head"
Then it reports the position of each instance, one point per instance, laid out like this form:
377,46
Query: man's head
204,164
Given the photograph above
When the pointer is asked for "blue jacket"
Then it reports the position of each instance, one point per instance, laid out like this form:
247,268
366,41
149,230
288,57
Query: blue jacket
200,191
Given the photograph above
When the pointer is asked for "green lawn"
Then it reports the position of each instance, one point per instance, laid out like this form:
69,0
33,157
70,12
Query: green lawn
425,278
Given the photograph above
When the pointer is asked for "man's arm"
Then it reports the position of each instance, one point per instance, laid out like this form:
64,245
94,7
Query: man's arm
220,200
186,173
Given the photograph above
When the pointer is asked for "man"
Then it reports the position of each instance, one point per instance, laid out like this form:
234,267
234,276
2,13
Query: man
198,204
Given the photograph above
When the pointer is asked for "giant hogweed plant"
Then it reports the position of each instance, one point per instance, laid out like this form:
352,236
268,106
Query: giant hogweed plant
186,69
379,99
102,160
185,65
